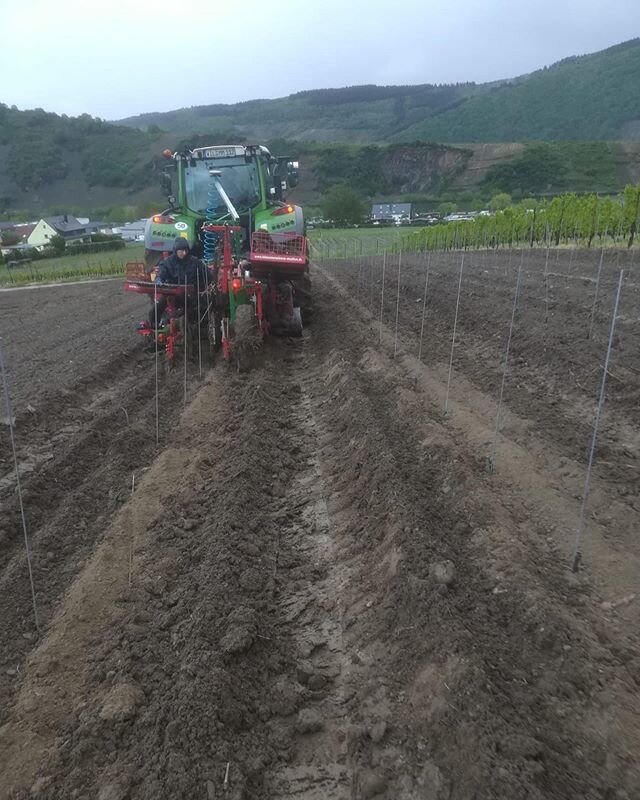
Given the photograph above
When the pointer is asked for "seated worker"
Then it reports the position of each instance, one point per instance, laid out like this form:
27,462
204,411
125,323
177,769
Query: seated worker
180,268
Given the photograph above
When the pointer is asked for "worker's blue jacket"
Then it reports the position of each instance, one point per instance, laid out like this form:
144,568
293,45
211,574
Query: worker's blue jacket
176,270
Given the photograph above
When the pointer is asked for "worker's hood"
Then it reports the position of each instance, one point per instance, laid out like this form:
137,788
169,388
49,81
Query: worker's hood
181,244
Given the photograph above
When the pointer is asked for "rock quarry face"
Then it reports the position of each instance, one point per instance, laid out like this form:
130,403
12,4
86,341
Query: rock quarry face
422,169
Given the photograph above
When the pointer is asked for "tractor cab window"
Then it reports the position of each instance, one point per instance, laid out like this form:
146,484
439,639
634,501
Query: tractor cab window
239,180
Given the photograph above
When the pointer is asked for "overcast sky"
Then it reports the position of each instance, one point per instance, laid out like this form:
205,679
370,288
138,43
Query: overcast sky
117,58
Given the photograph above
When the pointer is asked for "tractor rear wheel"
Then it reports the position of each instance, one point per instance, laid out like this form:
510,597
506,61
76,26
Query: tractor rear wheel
303,299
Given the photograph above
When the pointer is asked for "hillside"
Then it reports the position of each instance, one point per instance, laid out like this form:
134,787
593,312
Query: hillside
82,181
586,98
420,171
59,163
594,97
48,160
354,114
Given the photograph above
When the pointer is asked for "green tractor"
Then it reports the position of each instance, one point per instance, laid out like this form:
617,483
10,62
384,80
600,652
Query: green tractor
238,185
229,205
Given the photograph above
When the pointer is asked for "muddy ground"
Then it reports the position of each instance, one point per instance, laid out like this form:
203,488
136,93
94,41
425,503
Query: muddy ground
57,336
317,588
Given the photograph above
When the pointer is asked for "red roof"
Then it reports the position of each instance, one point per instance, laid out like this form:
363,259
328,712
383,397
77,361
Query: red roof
24,231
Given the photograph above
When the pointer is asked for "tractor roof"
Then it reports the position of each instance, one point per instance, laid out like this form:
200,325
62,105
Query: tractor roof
228,150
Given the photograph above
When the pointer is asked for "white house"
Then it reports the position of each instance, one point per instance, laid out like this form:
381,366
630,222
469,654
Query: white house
65,225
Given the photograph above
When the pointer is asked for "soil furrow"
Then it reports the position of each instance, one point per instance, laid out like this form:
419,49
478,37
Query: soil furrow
318,590
309,583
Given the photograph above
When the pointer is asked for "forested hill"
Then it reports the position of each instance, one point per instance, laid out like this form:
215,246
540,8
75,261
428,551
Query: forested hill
594,97
38,148
354,113
60,163
590,97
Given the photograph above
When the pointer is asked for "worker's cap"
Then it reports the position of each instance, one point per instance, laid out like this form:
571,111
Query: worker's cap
181,244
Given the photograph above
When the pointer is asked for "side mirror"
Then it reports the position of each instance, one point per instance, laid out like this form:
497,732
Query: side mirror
165,182
172,200
293,172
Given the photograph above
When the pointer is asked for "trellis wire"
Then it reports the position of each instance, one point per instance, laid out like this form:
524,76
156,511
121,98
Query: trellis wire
507,269
559,239
210,330
546,278
371,287
185,327
595,295
453,338
395,340
199,328
516,293
484,251
572,251
10,423
424,304
577,552
530,244
384,268
133,488
155,321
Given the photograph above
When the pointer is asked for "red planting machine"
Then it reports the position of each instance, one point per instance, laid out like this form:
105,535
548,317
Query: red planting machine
247,297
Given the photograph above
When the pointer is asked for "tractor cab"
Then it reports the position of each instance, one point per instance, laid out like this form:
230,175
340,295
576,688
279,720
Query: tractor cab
223,182
241,185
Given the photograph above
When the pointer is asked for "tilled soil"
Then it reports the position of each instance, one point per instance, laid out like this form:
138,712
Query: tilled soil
315,590
559,339
84,404
553,375
55,337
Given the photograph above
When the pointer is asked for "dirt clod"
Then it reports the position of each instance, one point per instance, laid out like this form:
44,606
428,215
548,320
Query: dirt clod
40,786
377,731
285,698
122,702
304,671
47,666
442,572
317,682
241,631
372,784
113,791
309,721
